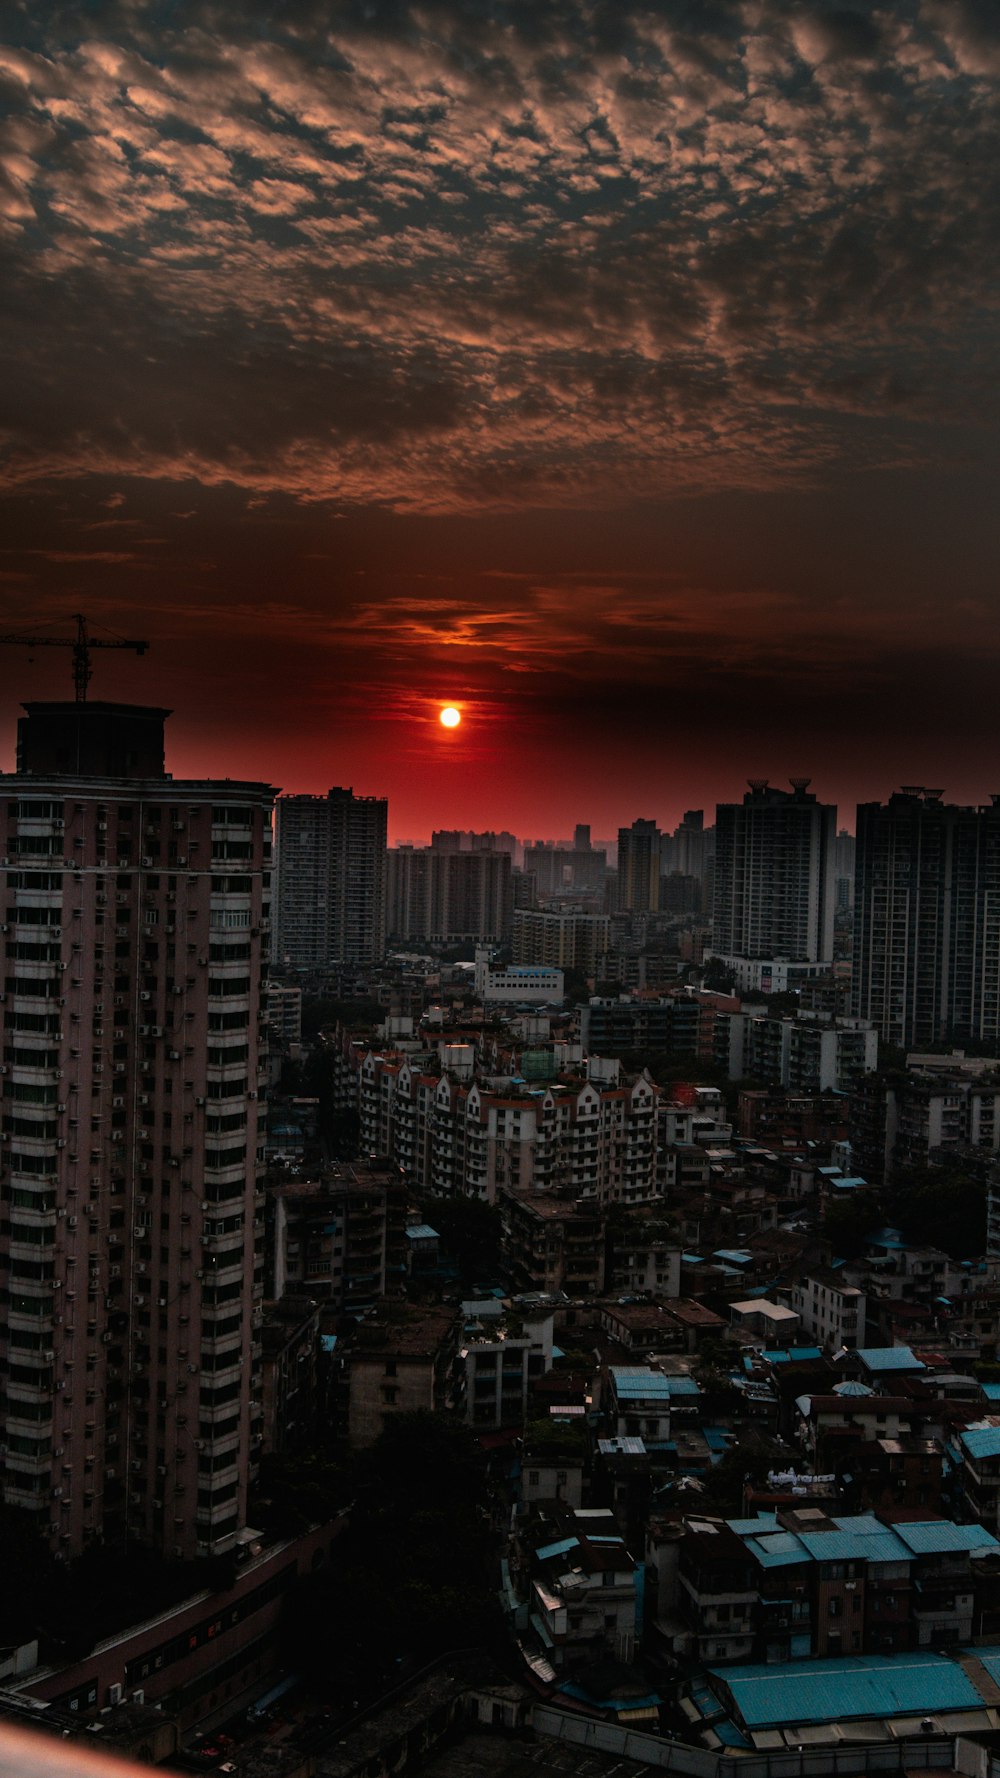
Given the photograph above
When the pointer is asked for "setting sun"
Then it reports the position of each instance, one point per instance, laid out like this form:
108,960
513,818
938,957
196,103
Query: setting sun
450,717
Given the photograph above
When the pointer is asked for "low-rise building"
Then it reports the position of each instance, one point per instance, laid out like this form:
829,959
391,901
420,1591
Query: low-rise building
584,1593
503,1351
402,1362
830,1311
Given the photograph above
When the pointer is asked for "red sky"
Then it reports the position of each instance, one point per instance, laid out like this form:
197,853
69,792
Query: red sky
624,375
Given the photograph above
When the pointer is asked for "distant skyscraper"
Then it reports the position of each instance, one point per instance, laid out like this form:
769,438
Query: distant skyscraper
639,867
774,883
926,964
331,880
134,1073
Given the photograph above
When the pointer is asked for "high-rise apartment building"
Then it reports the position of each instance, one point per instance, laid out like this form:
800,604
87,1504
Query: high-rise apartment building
926,964
446,896
331,880
639,848
562,941
774,874
135,914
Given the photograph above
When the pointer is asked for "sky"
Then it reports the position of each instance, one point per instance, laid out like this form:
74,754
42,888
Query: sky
623,374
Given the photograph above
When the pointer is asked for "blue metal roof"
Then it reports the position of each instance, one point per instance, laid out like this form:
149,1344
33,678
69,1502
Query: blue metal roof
639,1383
778,1549
928,1537
561,1548
919,1684
991,1391
855,1540
752,1527
981,1441
422,1231
683,1386
889,1358
738,1256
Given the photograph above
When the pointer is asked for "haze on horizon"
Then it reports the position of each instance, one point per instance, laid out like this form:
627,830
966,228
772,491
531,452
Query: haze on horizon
625,374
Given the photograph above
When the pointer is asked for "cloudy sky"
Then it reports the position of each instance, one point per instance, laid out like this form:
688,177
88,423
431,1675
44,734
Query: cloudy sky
623,373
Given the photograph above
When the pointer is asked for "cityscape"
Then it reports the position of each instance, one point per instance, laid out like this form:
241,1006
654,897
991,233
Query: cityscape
500,868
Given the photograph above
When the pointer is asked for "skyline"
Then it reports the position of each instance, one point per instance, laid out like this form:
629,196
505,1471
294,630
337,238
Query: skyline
623,376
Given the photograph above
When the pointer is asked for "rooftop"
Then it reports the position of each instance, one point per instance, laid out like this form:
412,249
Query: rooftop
828,1690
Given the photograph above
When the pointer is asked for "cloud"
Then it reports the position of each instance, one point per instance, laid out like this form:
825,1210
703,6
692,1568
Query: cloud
452,258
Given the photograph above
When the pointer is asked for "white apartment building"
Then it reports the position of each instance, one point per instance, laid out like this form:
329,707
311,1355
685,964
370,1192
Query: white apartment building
831,1312
579,1139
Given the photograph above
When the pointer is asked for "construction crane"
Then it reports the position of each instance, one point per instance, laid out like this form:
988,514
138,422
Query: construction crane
81,644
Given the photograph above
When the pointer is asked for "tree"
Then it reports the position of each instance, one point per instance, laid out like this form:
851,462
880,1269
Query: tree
470,1231
849,1220
413,1575
717,976
939,1207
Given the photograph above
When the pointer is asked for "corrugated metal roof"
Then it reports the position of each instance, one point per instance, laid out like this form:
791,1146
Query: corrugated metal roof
930,1536
919,1684
991,1391
889,1358
981,1441
845,1545
639,1384
753,1527
683,1386
778,1550
422,1231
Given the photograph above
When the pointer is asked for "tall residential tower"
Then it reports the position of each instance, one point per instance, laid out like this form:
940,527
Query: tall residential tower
131,1266
774,874
331,880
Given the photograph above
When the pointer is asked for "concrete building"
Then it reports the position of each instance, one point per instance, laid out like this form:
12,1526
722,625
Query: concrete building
560,940
503,1353
517,984
449,897
400,1362
830,1311
774,875
926,961
639,867
341,1239
804,1055
592,1139
136,909
331,880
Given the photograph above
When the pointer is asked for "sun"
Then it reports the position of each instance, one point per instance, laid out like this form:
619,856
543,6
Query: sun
450,717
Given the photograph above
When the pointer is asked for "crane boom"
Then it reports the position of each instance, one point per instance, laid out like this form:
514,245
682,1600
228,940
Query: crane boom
81,644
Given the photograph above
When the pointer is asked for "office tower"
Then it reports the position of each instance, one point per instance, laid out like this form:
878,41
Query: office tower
136,907
774,884
639,867
926,965
331,880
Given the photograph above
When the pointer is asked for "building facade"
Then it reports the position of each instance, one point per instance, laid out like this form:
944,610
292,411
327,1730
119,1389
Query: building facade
136,911
331,880
774,874
926,965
